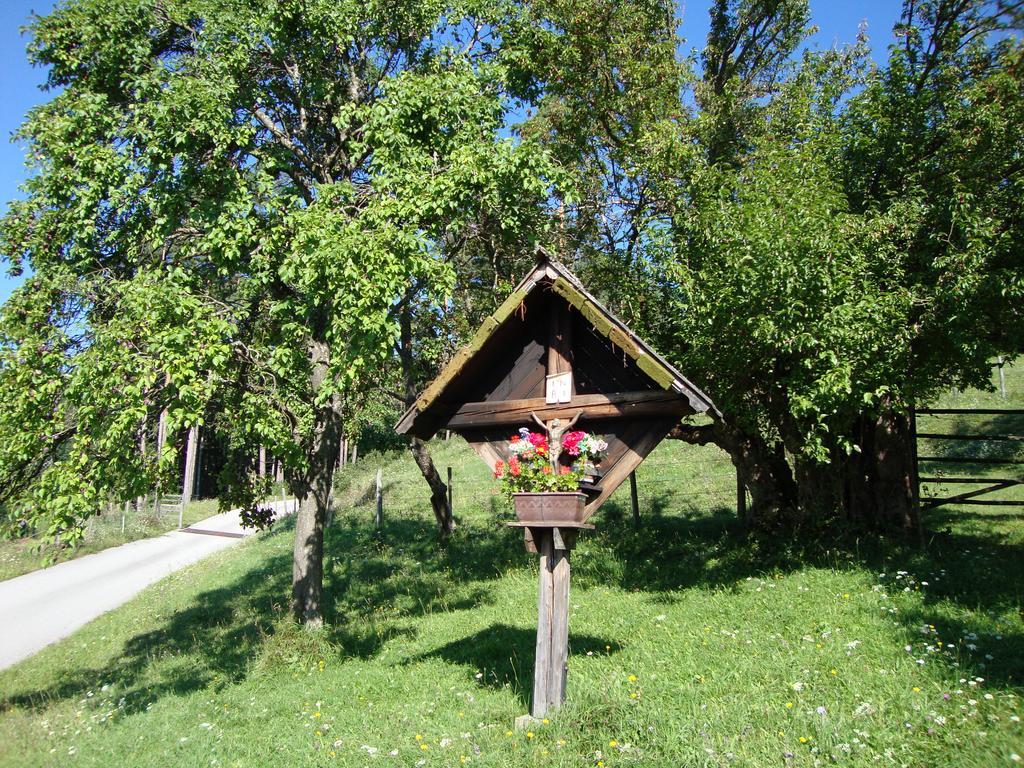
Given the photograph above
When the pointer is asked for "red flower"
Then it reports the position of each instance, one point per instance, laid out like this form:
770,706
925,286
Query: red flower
564,470
571,440
499,468
514,439
513,466
546,469
536,439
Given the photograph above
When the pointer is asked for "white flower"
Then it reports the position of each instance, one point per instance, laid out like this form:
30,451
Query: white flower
368,749
798,686
864,709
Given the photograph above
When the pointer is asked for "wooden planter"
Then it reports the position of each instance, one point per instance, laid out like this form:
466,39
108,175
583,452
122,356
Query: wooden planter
550,507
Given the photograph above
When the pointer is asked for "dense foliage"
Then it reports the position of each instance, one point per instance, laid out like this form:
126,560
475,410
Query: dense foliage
229,201
278,219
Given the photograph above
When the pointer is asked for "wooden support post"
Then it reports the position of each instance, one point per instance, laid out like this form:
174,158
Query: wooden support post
450,508
379,519
551,659
1002,378
124,516
263,462
633,499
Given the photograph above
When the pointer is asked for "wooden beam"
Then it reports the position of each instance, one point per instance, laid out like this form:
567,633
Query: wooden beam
559,339
616,405
630,460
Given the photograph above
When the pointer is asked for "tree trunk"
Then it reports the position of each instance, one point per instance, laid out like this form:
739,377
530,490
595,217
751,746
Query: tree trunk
765,473
188,481
438,488
313,491
819,488
420,452
880,488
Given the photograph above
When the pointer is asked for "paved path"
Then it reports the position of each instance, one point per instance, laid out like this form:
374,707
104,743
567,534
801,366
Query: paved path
44,606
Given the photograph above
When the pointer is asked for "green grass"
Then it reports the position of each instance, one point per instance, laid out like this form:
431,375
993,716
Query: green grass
20,556
691,645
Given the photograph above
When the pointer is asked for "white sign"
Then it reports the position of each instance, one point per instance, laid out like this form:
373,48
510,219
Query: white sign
559,388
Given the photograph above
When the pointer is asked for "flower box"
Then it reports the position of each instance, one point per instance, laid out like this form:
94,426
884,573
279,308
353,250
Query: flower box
550,507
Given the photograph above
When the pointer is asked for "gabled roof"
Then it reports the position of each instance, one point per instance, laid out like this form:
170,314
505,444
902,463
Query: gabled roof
551,275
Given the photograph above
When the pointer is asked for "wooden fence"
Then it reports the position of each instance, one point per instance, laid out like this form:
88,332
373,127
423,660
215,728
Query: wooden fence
968,462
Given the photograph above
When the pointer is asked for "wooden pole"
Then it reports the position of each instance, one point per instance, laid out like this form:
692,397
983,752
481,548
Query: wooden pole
263,462
450,510
633,499
355,452
1002,378
124,516
552,654
379,519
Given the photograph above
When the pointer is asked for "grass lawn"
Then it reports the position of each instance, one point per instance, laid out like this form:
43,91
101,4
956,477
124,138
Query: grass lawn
18,556
691,645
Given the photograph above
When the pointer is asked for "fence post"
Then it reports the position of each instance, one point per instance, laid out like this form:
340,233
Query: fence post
124,514
1002,378
284,502
633,499
451,511
379,520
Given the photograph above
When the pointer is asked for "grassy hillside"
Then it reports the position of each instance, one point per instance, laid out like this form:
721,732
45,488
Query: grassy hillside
690,644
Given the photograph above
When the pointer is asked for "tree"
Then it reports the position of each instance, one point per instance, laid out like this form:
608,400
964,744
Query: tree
230,201
828,242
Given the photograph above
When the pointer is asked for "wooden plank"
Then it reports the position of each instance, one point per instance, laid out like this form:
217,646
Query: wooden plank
634,500
559,339
971,480
485,451
961,460
615,405
636,451
997,438
970,411
930,503
559,654
545,603
962,497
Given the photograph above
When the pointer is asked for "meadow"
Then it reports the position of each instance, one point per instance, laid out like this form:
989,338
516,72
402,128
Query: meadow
692,643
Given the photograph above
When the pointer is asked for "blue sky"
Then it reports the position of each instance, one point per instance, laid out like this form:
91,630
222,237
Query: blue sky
19,83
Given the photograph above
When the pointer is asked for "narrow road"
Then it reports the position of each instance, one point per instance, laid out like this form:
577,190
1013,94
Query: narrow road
44,606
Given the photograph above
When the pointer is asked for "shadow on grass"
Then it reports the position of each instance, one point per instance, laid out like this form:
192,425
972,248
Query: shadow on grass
502,656
376,584
371,585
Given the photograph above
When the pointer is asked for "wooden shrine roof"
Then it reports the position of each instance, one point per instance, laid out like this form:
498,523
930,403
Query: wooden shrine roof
553,353
553,276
